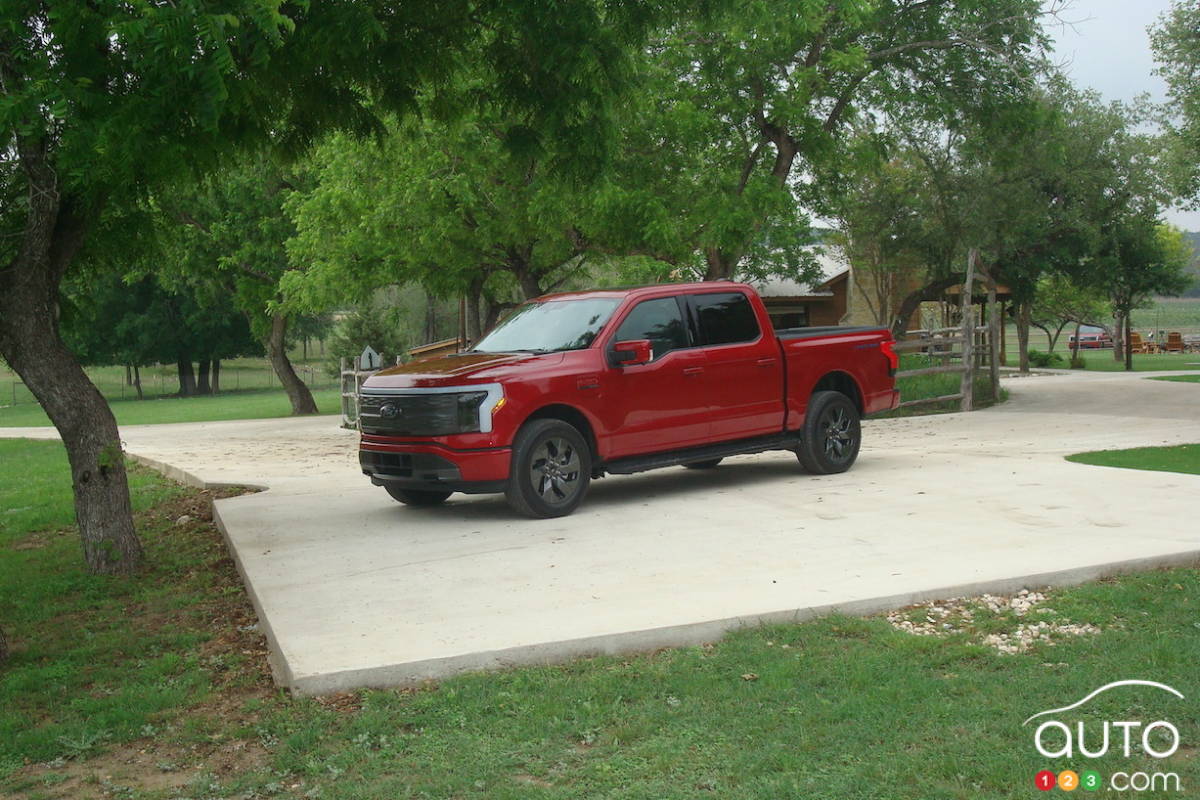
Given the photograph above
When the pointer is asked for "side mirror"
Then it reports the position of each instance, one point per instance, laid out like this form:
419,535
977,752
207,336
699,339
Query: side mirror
632,353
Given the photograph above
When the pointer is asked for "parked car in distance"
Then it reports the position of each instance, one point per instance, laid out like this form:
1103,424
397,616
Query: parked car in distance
574,386
1091,337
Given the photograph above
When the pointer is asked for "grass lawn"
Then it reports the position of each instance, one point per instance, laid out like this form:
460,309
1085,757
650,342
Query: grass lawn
227,405
923,386
1102,361
156,687
1166,314
1174,458
1179,378
161,380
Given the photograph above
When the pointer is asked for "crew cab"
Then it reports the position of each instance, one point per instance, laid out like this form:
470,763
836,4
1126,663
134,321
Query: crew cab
574,386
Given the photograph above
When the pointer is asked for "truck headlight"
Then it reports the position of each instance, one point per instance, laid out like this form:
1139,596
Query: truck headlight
468,411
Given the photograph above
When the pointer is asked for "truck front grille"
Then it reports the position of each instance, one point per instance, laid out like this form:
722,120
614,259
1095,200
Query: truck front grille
424,414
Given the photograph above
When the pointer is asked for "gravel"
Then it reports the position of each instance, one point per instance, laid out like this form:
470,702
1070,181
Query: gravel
964,615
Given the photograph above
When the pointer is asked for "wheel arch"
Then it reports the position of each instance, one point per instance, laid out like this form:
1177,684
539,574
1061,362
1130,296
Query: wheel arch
572,416
844,382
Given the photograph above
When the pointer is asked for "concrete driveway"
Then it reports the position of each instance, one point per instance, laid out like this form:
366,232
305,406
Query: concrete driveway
356,590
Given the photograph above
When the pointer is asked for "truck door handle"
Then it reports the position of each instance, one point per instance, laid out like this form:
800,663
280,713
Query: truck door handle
692,370
765,362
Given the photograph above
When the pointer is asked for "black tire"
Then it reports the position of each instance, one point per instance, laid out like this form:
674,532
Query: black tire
416,497
832,434
712,462
551,469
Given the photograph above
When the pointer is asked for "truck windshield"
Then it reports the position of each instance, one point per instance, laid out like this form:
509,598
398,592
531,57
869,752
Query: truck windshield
550,326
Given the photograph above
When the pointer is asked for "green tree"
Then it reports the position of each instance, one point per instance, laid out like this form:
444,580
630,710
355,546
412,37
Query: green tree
133,321
1046,196
1060,301
1141,258
227,236
1176,44
445,204
104,102
892,229
745,110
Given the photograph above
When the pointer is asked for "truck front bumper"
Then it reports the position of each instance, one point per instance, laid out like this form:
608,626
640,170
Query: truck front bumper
431,467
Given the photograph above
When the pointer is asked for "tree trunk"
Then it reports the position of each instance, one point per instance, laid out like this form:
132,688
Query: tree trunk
1023,315
216,376
1127,341
128,375
473,324
30,343
202,384
430,318
137,381
934,290
1053,338
1075,345
1119,338
720,264
54,230
299,395
530,287
187,378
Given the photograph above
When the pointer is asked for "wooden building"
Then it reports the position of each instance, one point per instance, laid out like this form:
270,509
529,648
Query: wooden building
798,305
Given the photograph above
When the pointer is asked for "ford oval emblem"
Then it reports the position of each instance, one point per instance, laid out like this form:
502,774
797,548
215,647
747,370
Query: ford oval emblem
389,411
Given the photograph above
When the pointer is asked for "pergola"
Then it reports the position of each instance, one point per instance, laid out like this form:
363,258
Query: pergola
953,300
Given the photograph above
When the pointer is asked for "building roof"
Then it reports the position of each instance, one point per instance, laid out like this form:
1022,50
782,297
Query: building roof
832,264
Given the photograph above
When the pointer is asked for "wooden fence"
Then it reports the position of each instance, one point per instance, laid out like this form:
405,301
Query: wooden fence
965,349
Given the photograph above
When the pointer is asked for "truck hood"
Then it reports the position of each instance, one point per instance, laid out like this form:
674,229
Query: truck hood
455,369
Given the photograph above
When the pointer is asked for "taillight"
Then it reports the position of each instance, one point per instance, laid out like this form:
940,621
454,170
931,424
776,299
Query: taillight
887,347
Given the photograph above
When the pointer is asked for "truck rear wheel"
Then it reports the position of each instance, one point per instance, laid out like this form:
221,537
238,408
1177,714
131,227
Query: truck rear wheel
551,469
416,497
832,434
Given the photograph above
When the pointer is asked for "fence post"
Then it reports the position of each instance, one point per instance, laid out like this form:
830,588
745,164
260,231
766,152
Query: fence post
968,334
993,337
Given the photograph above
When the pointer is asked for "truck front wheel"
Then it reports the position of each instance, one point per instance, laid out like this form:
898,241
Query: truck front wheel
832,434
551,469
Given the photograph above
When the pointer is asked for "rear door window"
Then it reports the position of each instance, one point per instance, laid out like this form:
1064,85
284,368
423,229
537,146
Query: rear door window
658,320
725,318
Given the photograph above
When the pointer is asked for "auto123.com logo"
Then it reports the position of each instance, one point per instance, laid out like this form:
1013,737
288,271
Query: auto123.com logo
1077,740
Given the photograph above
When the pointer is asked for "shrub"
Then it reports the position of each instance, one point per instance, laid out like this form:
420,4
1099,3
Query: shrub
1077,362
1039,359
388,329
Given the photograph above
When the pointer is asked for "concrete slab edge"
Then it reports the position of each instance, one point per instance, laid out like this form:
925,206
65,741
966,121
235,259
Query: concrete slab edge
188,479
279,668
691,634
627,642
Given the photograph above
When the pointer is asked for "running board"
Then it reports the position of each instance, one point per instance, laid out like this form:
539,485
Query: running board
673,458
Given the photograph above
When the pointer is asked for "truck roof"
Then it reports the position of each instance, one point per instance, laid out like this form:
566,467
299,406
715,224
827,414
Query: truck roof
694,287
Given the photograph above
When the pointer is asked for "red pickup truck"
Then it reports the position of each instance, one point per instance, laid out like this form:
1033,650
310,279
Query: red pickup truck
573,386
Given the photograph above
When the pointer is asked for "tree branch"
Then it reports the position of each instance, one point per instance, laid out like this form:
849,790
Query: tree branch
843,101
